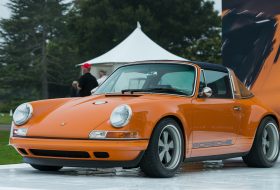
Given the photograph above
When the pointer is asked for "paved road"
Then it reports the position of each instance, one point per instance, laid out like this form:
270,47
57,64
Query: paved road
232,175
5,127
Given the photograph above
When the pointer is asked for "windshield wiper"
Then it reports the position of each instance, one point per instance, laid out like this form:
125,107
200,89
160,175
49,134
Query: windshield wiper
166,90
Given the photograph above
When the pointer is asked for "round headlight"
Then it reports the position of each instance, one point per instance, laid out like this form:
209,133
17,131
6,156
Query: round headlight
22,114
121,116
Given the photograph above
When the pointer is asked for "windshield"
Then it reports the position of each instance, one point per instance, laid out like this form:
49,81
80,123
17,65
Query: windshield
154,77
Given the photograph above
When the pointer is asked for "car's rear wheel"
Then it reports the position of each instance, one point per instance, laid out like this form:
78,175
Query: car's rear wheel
265,150
46,168
165,151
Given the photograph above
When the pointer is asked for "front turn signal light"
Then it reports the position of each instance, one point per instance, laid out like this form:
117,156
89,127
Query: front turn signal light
20,132
113,135
121,135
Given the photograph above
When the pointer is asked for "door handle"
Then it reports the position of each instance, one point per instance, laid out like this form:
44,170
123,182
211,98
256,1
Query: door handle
237,108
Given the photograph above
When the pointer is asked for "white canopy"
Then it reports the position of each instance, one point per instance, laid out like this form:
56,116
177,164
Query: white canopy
136,47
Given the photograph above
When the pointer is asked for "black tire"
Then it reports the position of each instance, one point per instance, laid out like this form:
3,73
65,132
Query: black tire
259,155
46,168
151,164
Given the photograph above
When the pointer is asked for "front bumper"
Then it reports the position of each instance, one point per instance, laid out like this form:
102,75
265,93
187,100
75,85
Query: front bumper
80,153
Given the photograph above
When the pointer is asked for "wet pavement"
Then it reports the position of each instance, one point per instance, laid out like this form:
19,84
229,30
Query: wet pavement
230,174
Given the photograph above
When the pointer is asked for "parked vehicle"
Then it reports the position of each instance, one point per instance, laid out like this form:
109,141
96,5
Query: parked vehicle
152,115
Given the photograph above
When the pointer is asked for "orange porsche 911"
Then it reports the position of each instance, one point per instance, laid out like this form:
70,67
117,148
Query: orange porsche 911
153,115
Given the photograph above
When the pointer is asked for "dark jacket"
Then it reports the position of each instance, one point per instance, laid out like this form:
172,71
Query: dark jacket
87,82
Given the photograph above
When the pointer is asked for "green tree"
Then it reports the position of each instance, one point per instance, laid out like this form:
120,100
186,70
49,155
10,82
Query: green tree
44,39
30,53
179,26
206,48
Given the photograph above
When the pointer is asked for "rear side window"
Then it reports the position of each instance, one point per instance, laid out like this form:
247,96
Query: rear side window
219,83
240,90
244,92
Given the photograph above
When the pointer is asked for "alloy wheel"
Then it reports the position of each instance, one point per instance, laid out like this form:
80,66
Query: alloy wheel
270,141
170,147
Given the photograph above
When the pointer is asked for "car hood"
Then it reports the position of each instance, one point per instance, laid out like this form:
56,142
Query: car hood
76,118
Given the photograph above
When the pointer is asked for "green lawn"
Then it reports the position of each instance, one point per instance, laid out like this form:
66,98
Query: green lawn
8,154
5,119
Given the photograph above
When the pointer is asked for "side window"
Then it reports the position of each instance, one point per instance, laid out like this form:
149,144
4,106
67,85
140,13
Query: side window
219,83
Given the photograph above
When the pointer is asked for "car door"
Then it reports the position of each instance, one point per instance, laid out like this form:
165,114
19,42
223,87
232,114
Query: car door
215,120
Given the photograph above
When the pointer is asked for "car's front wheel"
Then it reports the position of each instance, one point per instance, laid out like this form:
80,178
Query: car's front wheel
165,151
265,149
46,168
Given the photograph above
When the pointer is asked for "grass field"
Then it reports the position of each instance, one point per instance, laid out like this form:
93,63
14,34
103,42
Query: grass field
8,154
5,119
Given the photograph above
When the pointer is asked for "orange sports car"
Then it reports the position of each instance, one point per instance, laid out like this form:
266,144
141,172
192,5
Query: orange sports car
153,115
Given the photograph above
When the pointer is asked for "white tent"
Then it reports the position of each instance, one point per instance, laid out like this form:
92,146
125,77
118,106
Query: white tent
136,47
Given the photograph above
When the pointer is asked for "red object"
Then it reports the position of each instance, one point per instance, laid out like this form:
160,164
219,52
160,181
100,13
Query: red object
86,65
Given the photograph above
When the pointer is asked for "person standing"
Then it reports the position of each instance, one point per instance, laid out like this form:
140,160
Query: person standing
87,81
74,89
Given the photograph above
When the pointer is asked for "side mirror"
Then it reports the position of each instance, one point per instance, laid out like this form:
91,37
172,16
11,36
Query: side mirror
206,92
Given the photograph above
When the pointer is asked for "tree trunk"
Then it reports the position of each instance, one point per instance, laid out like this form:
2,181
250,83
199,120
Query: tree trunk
45,89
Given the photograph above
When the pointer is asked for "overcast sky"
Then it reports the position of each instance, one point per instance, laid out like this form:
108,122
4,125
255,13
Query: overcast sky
4,11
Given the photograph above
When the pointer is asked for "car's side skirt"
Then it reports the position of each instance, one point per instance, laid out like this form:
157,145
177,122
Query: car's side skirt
215,157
